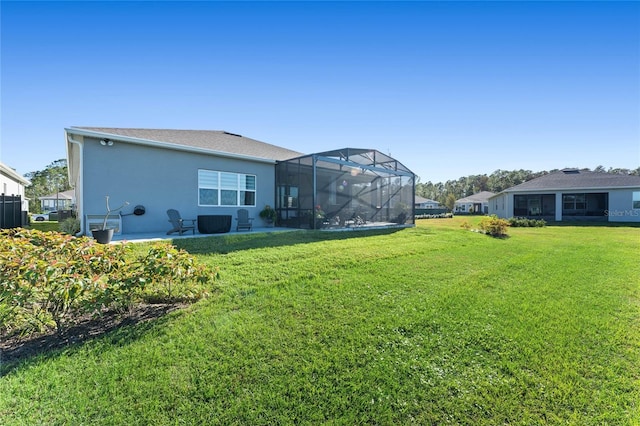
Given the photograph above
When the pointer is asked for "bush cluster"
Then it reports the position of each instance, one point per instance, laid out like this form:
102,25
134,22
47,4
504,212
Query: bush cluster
494,226
49,279
524,222
435,216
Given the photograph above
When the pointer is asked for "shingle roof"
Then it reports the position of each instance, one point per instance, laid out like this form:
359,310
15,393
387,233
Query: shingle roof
65,195
214,140
480,197
577,179
422,200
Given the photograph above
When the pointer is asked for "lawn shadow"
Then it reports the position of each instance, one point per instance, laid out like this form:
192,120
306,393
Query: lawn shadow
118,329
236,242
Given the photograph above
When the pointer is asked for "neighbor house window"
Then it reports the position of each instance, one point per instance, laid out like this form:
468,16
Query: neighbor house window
226,189
636,200
574,202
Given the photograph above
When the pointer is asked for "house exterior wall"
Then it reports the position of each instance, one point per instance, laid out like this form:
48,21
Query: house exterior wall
621,206
619,209
159,179
466,207
11,186
500,206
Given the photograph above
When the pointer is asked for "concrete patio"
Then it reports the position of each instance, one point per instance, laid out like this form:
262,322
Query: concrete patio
162,236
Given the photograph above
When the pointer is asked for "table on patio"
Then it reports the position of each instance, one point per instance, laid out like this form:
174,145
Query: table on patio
214,224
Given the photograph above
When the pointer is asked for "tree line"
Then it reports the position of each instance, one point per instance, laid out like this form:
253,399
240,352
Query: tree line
446,193
52,179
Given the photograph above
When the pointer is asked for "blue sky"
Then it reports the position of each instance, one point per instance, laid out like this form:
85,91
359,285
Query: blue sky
447,88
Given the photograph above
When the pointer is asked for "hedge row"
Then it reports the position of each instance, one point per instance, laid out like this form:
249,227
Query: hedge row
524,222
49,279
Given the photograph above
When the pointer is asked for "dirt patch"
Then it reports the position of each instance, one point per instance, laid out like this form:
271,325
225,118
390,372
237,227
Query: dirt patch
15,348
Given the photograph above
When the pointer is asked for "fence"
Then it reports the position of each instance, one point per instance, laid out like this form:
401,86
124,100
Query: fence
11,215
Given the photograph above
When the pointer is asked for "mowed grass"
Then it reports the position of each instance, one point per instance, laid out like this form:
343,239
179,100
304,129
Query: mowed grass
429,325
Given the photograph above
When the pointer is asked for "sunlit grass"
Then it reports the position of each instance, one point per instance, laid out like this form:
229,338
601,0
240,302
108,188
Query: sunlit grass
431,325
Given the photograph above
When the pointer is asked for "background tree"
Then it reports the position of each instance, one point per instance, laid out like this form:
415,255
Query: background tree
52,179
450,201
496,182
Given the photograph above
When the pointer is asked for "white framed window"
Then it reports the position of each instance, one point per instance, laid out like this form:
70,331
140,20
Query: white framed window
226,189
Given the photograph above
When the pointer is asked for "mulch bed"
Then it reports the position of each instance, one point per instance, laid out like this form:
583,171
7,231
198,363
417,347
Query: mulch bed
15,348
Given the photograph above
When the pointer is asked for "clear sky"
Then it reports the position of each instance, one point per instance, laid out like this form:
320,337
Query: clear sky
447,88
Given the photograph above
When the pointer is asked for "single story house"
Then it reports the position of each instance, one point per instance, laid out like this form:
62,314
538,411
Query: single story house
476,203
64,200
572,194
426,203
13,203
207,174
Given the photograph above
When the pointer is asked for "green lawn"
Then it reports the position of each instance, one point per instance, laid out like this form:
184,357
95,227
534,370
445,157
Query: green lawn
429,325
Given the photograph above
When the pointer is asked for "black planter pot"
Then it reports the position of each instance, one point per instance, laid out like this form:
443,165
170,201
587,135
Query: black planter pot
103,236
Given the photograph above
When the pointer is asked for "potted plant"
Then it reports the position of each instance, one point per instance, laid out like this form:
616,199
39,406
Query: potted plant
319,216
104,235
268,214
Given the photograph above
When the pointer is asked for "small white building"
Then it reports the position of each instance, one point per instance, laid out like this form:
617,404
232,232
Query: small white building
572,194
476,203
12,185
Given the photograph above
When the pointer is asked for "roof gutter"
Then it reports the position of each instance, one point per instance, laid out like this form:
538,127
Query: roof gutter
167,145
77,186
13,174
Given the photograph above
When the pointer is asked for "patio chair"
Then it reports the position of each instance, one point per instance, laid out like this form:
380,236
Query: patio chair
179,224
244,221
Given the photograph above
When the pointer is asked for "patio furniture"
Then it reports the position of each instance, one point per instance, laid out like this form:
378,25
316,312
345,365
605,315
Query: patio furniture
244,221
179,224
214,223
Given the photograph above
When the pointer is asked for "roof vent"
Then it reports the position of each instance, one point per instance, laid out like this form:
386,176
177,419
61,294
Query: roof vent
571,171
232,134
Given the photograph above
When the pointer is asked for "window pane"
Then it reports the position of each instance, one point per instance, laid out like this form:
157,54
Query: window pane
228,198
636,200
248,182
247,198
208,197
229,180
207,179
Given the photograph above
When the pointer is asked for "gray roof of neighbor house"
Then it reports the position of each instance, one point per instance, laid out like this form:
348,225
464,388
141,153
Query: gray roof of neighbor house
421,200
480,197
64,195
211,140
570,179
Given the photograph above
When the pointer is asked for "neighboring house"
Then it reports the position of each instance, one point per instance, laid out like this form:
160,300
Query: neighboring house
59,201
572,194
476,203
426,203
13,185
202,172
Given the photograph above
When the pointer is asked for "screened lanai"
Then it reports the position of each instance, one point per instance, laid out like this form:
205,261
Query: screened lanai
344,188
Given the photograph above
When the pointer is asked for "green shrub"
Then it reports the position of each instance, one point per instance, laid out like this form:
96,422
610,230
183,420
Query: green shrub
524,222
70,226
49,279
494,226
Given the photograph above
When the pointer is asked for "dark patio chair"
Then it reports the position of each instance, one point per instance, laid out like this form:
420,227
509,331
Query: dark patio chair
244,221
179,224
